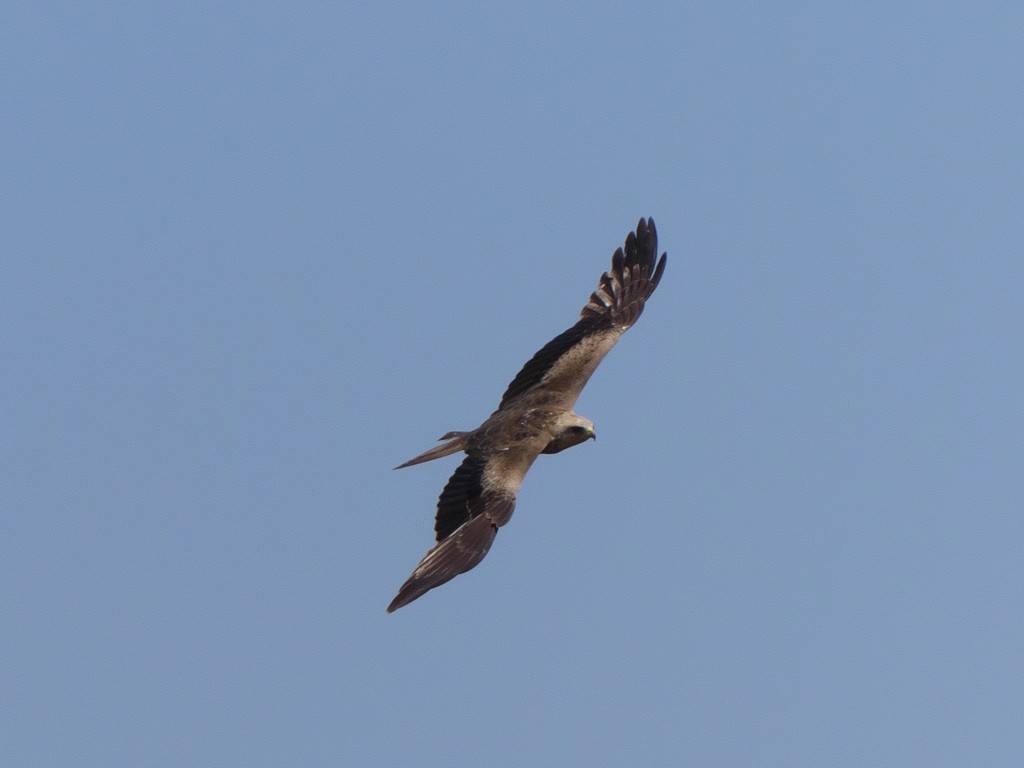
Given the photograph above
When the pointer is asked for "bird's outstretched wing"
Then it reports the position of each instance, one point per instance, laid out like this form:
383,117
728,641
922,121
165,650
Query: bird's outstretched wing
473,506
565,364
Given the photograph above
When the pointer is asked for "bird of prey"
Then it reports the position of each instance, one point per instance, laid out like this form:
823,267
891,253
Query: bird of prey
534,416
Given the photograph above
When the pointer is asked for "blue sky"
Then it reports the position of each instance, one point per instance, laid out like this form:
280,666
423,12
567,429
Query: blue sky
253,256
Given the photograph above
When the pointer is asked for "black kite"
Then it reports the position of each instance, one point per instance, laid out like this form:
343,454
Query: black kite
535,416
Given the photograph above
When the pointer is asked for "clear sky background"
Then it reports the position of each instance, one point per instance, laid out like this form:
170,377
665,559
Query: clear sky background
254,256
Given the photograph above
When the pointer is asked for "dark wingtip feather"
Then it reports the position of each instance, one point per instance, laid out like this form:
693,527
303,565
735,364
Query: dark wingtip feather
658,270
642,227
647,233
618,264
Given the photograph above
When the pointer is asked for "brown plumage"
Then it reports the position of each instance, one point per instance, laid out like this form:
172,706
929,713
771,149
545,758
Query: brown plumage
534,416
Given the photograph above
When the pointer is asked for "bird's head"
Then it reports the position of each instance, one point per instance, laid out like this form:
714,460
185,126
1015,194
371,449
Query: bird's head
569,431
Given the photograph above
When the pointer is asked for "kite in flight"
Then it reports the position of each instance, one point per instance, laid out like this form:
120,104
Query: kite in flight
534,416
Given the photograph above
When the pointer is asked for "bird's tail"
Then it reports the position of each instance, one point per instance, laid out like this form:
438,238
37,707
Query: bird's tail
456,442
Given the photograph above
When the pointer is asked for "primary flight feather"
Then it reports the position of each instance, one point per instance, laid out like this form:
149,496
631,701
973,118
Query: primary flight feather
534,416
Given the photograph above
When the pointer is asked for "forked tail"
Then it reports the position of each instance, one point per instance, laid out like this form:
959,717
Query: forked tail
456,442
